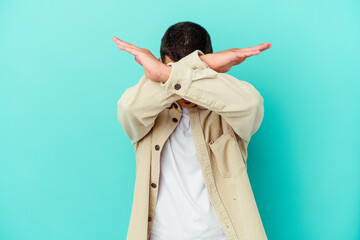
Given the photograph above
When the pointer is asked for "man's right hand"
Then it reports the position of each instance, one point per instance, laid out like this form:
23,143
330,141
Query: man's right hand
153,69
223,61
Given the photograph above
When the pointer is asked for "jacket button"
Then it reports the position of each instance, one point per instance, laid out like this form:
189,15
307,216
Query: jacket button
149,219
174,120
177,86
153,185
157,147
175,105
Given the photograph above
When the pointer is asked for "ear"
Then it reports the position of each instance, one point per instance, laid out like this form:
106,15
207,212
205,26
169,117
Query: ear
160,59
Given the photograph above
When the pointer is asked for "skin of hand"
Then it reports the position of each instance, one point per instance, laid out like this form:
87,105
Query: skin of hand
223,61
220,62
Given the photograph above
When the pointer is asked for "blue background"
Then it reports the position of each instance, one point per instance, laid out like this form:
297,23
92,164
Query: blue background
67,169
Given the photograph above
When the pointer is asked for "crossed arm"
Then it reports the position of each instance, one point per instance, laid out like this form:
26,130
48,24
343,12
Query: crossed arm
199,78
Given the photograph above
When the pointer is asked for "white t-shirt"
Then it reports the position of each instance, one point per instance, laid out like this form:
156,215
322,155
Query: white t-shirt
183,210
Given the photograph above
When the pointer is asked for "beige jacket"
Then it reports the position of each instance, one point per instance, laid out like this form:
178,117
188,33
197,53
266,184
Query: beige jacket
228,112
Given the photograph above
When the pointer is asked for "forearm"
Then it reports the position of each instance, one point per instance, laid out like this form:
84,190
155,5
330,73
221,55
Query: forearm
190,78
139,106
237,101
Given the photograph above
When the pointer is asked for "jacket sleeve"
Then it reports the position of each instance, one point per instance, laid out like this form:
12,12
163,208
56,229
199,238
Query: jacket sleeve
139,106
237,101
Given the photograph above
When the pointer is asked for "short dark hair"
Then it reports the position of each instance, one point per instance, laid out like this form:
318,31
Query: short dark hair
182,39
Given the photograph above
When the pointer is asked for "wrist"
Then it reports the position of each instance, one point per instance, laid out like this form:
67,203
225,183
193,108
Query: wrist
202,58
205,59
165,73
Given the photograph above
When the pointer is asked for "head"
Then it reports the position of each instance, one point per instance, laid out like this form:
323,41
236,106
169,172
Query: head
182,39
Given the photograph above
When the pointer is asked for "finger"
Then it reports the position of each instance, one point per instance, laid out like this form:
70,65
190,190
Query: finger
131,50
118,41
269,46
241,56
236,55
266,47
260,47
125,44
247,53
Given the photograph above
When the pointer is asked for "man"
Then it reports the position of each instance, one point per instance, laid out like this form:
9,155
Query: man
194,122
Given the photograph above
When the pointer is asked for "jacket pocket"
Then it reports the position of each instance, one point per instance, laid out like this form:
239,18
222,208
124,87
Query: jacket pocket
228,155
